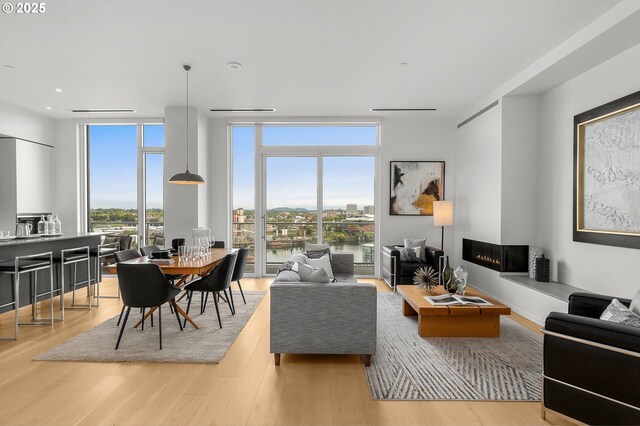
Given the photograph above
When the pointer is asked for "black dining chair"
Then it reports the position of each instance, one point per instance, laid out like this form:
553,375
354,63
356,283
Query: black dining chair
145,286
238,272
147,250
215,282
123,256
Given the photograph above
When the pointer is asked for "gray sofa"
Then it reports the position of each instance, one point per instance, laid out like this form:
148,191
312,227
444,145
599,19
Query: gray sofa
324,318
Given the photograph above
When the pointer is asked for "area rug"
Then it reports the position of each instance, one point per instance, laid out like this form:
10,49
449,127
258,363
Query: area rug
409,367
209,344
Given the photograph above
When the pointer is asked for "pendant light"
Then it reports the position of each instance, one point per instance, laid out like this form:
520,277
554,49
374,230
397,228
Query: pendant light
187,178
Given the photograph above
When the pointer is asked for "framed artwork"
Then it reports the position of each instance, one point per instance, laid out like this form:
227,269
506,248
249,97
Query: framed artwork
414,186
606,205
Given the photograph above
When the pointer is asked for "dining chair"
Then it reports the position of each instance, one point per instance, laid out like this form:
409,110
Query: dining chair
147,250
145,286
215,282
238,272
123,256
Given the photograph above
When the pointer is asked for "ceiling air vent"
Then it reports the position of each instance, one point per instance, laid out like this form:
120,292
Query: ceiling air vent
105,110
401,109
242,110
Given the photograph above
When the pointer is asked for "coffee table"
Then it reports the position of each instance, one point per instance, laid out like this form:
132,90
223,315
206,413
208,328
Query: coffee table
452,321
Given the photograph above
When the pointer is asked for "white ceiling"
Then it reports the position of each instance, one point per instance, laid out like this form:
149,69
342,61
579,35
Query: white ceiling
304,58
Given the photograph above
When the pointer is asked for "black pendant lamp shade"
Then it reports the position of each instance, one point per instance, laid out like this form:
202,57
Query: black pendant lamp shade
187,178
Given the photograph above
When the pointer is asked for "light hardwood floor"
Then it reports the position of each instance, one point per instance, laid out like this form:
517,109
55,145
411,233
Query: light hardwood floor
245,388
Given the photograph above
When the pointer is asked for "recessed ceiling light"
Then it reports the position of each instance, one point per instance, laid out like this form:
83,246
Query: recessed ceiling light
9,67
242,110
235,66
49,108
104,110
59,90
403,64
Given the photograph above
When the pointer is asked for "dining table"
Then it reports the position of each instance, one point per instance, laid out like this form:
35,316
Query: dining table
187,269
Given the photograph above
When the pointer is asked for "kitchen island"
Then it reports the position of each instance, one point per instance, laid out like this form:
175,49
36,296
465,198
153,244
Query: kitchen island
21,247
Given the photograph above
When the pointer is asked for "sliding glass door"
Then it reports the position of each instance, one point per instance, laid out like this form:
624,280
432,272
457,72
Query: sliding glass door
292,184
291,207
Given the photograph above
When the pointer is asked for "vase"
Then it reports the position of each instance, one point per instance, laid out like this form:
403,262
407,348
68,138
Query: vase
453,286
447,274
461,275
534,253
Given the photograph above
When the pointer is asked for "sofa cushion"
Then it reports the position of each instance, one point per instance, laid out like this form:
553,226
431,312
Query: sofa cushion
409,243
299,257
316,251
287,276
409,254
345,279
323,262
618,313
312,274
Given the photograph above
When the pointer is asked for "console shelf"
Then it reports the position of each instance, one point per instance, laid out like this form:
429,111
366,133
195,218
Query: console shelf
555,289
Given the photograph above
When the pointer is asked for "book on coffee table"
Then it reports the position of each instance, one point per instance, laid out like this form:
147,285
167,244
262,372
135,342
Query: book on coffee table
455,299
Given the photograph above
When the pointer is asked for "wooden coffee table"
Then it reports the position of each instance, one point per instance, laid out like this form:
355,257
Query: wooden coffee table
452,321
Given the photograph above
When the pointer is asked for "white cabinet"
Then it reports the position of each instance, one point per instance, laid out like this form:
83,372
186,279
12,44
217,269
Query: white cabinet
33,177
25,180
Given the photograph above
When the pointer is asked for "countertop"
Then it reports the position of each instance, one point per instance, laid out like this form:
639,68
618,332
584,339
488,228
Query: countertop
64,236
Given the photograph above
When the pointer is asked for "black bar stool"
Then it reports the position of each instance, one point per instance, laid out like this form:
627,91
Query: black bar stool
102,252
73,256
27,265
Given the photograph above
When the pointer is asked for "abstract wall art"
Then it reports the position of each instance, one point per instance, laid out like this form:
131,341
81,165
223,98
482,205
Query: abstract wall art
607,174
414,186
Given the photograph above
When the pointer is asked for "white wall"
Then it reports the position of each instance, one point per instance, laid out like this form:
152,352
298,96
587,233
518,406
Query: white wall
67,175
405,139
478,197
20,123
219,209
598,268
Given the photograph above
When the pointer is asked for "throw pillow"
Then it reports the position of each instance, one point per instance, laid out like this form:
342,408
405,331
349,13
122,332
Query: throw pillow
323,262
312,274
316,251
617,312
287,276
409,254
635,303
286,266
409,243
298,257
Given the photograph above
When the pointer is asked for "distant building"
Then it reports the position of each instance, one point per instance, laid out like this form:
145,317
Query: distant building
367,253
369,210
330,214
352,208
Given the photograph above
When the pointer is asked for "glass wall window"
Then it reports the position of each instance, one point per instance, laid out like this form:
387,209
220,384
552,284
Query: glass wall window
348,212
243,213
112,199
125,180
312,183
292,207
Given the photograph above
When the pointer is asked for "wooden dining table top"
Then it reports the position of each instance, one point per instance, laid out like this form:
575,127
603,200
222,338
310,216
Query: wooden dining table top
179,266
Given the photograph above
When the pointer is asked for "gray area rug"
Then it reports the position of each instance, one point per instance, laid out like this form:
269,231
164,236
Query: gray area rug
409,367
209,344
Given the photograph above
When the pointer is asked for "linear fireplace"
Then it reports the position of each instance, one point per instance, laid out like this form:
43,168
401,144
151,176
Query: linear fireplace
496,257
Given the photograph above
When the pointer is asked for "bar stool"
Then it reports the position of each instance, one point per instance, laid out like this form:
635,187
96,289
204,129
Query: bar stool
73,256
23,265
102,252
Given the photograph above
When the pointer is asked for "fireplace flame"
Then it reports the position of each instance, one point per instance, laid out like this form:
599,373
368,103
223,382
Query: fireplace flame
488,259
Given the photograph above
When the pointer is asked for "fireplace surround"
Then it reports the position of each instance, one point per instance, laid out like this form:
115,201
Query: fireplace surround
508,258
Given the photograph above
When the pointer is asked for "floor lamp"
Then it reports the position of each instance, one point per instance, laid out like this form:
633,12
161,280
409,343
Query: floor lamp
442,216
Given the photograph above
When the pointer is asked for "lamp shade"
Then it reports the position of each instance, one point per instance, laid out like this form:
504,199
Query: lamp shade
442,213
186,178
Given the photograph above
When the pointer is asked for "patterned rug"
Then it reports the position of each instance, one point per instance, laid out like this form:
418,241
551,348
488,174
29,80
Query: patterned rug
209,344
409,367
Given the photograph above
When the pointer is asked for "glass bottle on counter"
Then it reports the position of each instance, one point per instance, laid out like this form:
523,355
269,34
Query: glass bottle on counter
57,225
42,225
51,227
